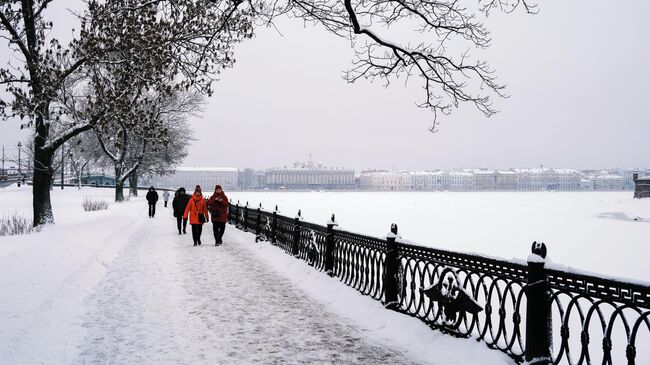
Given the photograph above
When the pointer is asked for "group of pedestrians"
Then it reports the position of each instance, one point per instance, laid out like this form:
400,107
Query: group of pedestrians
195,209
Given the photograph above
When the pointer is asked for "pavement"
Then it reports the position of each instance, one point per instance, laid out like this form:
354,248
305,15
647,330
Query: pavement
163,301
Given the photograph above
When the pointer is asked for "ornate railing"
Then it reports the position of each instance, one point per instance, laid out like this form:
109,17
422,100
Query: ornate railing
533,313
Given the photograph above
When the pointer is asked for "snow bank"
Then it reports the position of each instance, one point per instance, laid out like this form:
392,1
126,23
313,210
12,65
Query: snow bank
45,276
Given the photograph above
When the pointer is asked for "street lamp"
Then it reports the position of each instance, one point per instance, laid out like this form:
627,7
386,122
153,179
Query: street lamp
20,144
62,164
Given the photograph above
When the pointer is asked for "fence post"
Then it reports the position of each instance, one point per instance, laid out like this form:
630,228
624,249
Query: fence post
274,225
330,246
237,214
295,249
539,338
245,224
391,270
258,220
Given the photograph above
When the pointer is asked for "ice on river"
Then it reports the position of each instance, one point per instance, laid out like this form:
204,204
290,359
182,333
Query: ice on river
603,232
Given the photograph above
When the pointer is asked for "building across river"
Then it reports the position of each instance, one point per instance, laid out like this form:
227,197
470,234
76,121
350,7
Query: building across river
207,177
315,176
308,175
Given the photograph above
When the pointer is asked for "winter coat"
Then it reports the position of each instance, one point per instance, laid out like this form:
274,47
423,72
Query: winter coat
218,206
195,206
179,204
152,197
166,195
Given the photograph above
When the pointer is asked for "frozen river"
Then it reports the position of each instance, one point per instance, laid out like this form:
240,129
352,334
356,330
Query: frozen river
593,231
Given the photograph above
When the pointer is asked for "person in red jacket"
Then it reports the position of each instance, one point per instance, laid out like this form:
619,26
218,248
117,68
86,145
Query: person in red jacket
197,212
218,204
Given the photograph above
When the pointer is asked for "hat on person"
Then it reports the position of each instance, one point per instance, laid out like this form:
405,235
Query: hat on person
217,187
181,189
197,188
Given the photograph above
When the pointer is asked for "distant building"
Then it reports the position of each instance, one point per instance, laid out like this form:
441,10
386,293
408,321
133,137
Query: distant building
533,179
459,181
506,180
641,186
307,175
548,179
386,181
251,179
607,181
567,179
586,184
426,180
628,176
484,179
207,177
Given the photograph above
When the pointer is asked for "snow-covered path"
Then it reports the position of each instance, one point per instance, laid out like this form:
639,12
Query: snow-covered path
165,301
115,287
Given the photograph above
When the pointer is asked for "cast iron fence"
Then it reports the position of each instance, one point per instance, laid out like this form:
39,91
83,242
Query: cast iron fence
521,307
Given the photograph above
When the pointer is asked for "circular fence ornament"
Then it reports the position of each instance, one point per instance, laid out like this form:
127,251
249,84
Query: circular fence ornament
539,249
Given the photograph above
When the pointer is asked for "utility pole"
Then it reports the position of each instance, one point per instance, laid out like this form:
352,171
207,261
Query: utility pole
3,161
62,164
19,145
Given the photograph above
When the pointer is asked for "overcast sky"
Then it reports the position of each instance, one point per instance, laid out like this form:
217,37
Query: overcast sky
576,72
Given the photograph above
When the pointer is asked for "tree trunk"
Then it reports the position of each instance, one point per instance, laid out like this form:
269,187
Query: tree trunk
43,173
119,183
119,190
133,183
42,181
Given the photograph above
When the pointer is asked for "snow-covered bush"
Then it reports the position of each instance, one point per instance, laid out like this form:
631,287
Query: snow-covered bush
90,204
15,224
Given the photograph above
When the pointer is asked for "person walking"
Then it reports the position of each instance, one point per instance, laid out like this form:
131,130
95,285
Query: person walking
152,199
197,212
165,197
218,206
179,204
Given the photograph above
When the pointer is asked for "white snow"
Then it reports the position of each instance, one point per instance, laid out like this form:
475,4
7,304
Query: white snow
46,276
118,287
592,231
534,258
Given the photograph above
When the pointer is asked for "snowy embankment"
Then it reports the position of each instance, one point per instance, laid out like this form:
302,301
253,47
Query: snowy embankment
117,287
45,276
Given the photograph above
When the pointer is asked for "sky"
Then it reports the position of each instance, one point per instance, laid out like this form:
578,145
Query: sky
575,72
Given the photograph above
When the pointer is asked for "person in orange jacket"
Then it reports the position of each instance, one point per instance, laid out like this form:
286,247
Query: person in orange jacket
218,206
197,212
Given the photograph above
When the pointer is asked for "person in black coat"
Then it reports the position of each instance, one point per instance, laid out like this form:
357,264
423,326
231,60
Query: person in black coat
179,204
152,198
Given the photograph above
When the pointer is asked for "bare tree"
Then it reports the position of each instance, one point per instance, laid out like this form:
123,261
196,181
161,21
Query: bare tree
446,79
117,149
151,148
159,43
164,157
80,156
33,85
